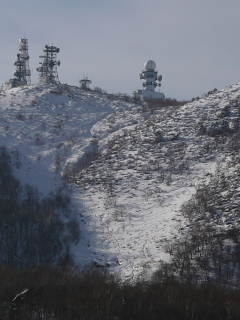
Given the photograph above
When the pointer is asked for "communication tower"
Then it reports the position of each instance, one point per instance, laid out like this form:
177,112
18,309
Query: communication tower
22,73
48,69
151,76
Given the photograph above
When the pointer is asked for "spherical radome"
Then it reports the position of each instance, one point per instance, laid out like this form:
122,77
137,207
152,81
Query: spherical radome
150,65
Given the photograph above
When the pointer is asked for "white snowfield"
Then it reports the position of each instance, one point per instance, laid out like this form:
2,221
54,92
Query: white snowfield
127,201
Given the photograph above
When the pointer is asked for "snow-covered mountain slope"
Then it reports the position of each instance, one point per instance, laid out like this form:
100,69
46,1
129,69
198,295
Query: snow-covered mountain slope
49,126
139,166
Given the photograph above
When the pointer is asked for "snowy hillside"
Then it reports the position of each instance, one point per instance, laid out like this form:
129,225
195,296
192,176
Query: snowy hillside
137,166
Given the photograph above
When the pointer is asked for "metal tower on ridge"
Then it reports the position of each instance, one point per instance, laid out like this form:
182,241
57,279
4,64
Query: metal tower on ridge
22,73
48,70
150,74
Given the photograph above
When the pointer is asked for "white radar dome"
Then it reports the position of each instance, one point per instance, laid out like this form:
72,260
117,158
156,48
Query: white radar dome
150,65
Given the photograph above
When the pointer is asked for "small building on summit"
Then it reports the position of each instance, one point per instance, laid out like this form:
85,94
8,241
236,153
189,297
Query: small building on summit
150,74
84,83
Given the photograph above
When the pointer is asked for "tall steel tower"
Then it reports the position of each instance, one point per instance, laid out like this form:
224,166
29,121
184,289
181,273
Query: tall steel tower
22,73
48,70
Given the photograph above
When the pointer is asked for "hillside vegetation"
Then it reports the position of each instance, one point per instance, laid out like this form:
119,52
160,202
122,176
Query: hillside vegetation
50,293
129,186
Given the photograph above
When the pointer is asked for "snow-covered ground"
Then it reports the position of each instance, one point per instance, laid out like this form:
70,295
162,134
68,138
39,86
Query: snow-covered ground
128,201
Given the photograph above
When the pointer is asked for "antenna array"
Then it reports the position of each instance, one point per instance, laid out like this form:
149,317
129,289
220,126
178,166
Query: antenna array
48,69
22,73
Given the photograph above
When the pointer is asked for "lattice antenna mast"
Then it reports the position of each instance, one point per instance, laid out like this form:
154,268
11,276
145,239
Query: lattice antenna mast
22,73
24,56
48,70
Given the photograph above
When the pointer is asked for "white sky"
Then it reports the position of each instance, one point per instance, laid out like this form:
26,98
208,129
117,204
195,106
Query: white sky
195,43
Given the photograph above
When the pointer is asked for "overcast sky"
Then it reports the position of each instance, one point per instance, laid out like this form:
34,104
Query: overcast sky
195,43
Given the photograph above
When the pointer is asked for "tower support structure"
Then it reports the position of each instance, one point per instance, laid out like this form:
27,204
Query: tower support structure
48,69
22,73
